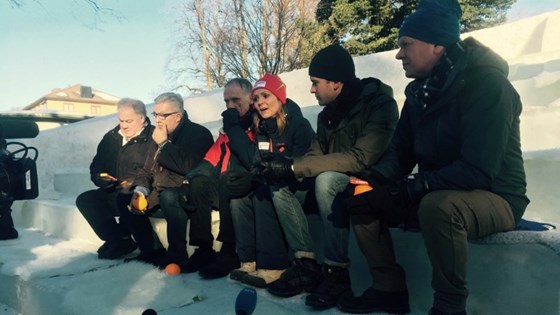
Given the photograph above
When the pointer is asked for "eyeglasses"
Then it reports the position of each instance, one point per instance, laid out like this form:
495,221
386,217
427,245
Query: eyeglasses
163,116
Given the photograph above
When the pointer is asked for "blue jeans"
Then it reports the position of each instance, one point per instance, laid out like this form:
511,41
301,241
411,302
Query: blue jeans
328,188
288,202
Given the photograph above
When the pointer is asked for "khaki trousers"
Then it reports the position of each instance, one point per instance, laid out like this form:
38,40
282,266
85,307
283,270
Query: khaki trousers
448,219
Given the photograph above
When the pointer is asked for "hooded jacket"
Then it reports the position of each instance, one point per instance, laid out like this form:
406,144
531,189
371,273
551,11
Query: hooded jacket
365,121
468,136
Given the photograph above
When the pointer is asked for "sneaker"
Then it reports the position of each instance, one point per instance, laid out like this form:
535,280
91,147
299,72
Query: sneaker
153,257
262,277
373,300
199,259
304,274
435,311
116,248
335,283
220,267
239,273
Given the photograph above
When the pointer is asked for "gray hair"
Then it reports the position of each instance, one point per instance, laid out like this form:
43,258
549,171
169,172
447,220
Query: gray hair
244,84
174,98
136,105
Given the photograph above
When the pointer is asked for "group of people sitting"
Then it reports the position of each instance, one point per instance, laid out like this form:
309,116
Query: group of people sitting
268,169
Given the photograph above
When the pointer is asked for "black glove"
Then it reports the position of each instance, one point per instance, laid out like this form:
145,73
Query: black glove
184,196
373,177
239,183
230,118
277,168
103,182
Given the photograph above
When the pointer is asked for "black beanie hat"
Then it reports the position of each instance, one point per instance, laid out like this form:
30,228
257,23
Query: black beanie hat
333,63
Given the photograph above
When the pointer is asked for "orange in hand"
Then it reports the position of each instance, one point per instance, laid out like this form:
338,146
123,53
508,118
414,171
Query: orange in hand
362,188
140,203
172,269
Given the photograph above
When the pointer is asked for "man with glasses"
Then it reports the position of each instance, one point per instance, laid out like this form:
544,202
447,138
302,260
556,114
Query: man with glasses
178,146
120,154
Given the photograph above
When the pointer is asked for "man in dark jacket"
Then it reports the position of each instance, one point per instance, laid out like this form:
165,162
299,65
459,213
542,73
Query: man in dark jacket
460,127
178,146
120,156
210,186
353,131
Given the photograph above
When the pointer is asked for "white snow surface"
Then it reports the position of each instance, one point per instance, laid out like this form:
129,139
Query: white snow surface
54,265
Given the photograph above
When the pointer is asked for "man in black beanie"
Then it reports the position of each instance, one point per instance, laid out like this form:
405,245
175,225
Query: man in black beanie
353,131
460,127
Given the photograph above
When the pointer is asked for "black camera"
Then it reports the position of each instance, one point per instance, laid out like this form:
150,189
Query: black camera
18,173
18,170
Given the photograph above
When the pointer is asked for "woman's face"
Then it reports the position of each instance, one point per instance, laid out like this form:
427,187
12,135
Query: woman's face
266,103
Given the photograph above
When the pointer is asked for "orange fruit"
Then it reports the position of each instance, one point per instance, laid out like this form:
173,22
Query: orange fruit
362,188
172,269
140,203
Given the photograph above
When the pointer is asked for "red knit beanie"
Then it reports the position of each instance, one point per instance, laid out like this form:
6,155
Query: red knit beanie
273,84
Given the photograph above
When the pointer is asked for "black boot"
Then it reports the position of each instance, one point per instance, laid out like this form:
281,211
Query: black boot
224,263
336,282
304,274
114,249
152,257
7,230
202,256
373,300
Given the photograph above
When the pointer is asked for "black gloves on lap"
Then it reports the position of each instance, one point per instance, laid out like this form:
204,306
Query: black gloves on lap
277,168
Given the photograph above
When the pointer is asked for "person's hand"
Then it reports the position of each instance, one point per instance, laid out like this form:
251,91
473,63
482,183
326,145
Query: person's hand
160,133
138,203
230,118
184,198
277,168
104,180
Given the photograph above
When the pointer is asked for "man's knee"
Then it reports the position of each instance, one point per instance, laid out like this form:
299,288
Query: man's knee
169,196
435,208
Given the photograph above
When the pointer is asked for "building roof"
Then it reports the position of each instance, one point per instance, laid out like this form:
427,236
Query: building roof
76,93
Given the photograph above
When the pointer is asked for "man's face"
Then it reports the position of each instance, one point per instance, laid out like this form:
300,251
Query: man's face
166,113
130,123
325,91
236,97
418,57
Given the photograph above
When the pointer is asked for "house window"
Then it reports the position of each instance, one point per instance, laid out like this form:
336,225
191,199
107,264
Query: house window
68,107
95,110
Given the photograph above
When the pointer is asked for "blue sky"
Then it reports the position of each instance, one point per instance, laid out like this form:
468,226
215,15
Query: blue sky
51,44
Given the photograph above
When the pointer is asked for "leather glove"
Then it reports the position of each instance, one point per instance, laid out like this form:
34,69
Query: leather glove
230,118
104,181
277,168
184,196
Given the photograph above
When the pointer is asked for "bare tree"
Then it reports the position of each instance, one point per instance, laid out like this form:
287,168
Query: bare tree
242,38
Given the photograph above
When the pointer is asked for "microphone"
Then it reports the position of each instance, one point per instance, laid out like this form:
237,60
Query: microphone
246,302
18,129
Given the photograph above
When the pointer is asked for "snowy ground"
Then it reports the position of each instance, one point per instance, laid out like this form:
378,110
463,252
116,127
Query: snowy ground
49,268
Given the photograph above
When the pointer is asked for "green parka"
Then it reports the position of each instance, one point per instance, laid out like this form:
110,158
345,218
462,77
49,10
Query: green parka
359,139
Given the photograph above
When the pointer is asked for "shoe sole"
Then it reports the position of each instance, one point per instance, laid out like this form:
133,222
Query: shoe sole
254,281
237,276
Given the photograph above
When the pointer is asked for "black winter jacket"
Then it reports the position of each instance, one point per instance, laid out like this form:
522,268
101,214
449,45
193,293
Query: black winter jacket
468,137
122,162
167,167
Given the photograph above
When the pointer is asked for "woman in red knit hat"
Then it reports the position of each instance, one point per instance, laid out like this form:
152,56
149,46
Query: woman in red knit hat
280,129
